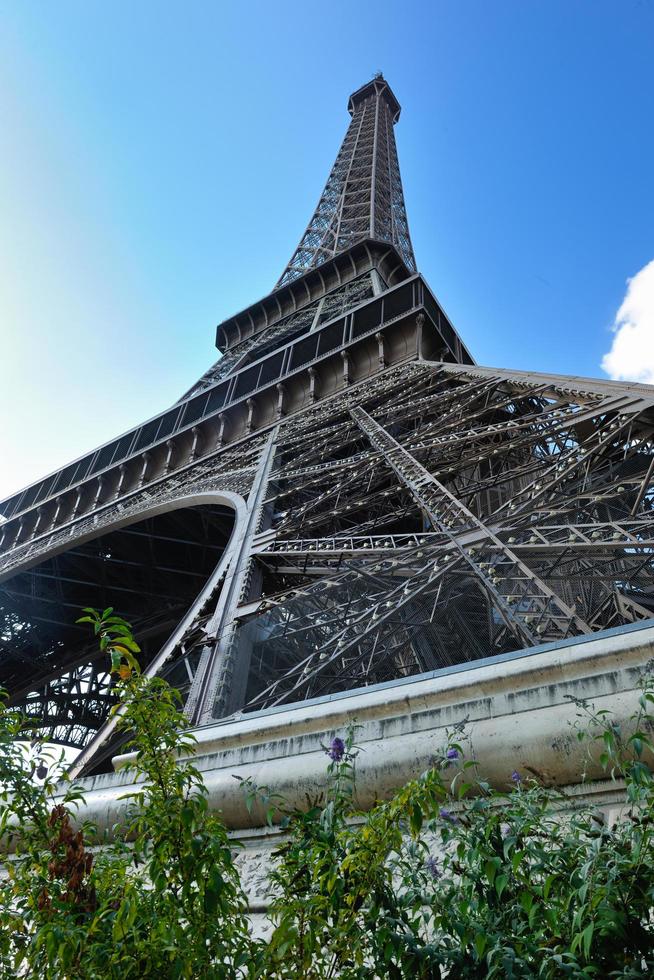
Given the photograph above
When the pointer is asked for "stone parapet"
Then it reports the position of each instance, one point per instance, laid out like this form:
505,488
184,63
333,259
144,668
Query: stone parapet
518,711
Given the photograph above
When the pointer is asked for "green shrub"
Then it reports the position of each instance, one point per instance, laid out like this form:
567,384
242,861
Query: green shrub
447,879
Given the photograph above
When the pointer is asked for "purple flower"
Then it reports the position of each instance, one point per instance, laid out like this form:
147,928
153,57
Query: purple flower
431,866
446,815
505,830
336,749
452,754
516,777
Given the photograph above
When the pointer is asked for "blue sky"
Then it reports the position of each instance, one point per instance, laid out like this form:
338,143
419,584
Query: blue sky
159,161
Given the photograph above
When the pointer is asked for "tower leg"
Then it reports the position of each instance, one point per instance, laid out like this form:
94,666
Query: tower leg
222,673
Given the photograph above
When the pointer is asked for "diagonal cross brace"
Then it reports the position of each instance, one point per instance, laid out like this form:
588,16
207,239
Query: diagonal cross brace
363,623
529,608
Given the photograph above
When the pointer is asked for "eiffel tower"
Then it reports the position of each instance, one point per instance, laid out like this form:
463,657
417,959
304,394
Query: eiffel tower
344,499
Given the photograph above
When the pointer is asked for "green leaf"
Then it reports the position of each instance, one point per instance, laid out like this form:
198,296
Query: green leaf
550,915
491,867
129,643
187,814
532,914
124,919
500,884
213,891
416,819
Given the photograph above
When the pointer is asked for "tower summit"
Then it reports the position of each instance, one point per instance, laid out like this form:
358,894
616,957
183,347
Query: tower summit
344,499
363,196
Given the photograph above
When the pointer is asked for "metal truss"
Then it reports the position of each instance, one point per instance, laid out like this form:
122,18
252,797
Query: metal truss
149,568
363,196
343,499
447,517
328,307
431,515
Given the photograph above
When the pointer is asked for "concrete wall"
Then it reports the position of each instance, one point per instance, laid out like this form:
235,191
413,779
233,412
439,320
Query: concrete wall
517,713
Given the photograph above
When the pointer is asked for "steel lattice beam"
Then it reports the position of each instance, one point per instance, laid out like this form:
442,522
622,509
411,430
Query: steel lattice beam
395,507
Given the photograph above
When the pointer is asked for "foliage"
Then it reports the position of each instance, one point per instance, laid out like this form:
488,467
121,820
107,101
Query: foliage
163,897
459,881
449,878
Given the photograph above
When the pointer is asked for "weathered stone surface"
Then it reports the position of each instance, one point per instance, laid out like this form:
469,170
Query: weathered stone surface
517,711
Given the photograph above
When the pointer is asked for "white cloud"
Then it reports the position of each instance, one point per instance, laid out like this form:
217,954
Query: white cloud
631,357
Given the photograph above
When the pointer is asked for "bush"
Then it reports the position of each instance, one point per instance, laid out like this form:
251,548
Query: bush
162,898
447,879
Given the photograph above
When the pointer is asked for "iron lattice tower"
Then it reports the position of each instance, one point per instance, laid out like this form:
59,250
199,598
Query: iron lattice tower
363,196
345,498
